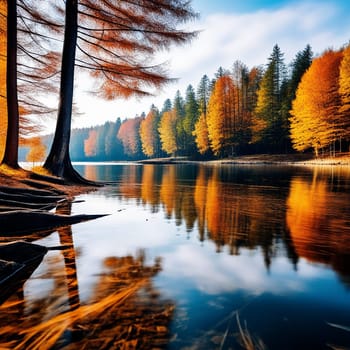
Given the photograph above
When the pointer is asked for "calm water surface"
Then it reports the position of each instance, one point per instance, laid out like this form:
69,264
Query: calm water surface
214,249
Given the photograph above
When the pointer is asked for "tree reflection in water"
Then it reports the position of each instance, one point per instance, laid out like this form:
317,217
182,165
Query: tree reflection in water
318,224
124,311
304,215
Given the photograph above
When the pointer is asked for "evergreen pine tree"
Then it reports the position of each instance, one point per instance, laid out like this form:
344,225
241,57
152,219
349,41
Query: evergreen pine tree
189,120
268,119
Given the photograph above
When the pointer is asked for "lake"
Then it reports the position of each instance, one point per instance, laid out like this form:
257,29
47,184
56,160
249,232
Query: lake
195,256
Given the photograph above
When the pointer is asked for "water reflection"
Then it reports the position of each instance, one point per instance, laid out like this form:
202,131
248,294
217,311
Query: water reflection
267,243
66,241
306,210
124,310
317,217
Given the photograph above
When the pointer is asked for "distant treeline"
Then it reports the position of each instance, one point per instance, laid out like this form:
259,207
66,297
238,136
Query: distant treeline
304,106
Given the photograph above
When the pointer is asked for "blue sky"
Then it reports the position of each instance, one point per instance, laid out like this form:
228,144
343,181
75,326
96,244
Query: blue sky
231,30
206,7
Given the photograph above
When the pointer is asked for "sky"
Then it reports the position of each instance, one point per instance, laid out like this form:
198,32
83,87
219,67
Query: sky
230,30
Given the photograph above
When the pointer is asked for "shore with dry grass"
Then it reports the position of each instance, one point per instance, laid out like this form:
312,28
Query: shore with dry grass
262,159
24,179
27,201
21,178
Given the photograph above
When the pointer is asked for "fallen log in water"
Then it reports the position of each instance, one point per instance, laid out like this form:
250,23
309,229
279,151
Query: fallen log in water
26,190
26,198
18,260
30,197
26,221
16,204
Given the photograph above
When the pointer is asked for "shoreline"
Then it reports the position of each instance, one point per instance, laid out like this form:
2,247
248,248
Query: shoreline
15,178
263,159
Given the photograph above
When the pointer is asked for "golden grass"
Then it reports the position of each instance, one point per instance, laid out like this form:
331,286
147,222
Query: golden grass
11,172
38,169
14,178
248,341
48,333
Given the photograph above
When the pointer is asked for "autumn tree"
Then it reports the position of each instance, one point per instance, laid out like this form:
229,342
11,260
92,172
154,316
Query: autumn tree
316,122
149,133
344,91
242,110
254,79
90,144
200,133
37,150
39,36
115,41
269,128
167,132
221,116
129,134
29,64
299,66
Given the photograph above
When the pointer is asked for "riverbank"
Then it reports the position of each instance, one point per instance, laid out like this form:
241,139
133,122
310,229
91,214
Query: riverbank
261,159
23,179
31,202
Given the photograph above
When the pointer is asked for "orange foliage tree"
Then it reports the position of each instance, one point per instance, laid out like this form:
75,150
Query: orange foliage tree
221,119
129,135
167,132
201,134
29,66
315,120
318,225
149,186
344,91
149,133
37,150
90,144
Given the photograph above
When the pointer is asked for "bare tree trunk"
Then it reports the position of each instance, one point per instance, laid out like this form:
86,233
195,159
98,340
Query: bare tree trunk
11,149
58,161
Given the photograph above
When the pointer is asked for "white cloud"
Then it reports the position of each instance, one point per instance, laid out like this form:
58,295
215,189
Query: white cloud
251,37
223,273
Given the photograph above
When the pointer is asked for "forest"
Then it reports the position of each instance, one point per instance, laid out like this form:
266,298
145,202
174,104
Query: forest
272,108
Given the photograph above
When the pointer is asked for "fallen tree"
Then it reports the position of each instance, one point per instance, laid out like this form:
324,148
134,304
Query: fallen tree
25,221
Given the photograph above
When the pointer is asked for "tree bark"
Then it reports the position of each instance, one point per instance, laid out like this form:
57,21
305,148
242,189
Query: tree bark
58,160
12,136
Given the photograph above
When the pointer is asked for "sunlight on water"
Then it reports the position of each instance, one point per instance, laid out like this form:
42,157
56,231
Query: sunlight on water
194,256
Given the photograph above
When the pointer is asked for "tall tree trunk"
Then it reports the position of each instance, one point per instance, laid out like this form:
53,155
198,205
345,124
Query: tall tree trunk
12,136
58,160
